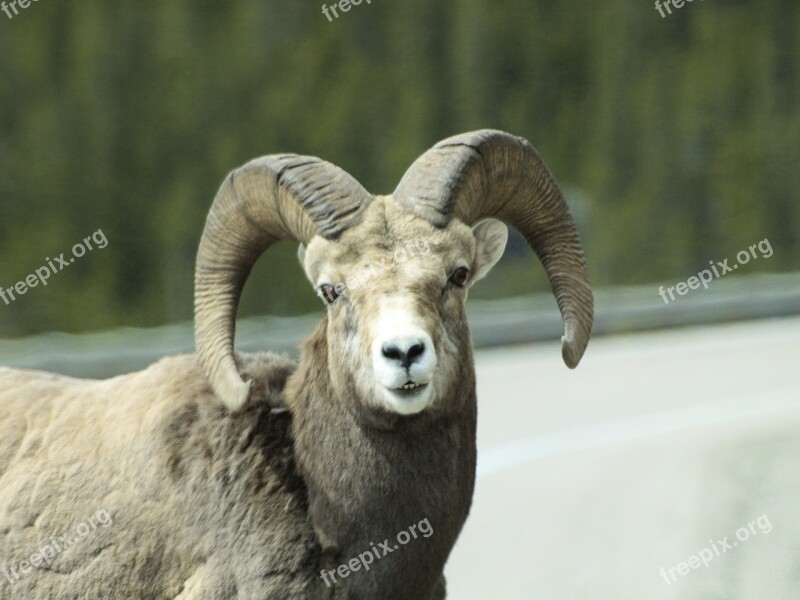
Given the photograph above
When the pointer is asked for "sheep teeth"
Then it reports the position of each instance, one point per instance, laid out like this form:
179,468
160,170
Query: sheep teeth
411,386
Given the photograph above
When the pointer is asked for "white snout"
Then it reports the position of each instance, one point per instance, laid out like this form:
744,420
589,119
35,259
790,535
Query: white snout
403,358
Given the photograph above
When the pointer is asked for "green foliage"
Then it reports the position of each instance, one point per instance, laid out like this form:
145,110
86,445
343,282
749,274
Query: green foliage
680,136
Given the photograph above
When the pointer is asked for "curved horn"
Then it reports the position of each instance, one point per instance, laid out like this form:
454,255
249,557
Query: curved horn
273,198
490,173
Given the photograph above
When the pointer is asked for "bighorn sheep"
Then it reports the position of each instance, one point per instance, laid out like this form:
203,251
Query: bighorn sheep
250,476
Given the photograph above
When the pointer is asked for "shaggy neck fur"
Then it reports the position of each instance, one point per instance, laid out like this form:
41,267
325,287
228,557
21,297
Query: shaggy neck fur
370,477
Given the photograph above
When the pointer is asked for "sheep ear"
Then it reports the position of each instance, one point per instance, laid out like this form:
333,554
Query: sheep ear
491,237
301,256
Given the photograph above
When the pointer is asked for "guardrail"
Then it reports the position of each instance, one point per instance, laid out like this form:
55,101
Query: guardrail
493,323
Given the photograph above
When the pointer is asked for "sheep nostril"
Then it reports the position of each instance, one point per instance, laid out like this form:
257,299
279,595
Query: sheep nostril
392,352
415,351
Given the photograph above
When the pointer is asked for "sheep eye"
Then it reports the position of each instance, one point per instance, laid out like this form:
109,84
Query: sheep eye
328,293
459,276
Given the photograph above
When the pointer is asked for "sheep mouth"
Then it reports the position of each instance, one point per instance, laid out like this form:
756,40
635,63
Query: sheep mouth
410,388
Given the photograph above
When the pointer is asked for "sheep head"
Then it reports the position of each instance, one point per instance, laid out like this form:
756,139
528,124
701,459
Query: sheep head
394,286
393,270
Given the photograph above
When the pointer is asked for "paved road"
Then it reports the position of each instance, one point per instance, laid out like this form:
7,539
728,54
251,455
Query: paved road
660,447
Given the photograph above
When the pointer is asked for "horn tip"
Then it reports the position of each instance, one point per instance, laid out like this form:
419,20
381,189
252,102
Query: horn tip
571,351
235,395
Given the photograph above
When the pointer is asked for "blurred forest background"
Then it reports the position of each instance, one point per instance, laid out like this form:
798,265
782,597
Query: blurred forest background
677,140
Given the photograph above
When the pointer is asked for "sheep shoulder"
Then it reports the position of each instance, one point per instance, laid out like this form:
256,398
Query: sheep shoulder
200,503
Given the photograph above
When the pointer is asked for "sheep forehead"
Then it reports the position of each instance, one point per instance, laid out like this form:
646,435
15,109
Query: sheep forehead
391,239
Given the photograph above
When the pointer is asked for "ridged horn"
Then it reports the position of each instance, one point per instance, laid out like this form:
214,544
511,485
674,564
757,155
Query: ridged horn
273,198
490,173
